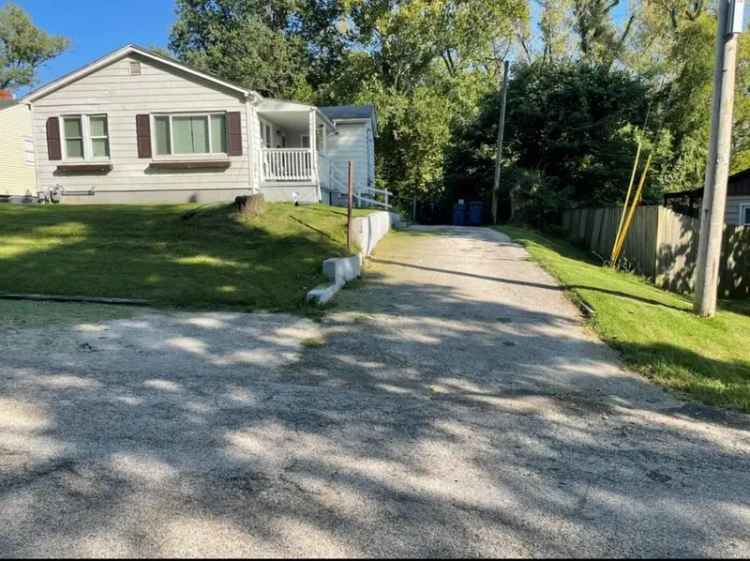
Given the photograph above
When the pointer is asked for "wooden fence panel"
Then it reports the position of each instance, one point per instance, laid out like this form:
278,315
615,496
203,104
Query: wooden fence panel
734,268
677,251
662,245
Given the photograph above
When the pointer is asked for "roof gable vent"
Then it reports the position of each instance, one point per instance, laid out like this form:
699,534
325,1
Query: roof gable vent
135,68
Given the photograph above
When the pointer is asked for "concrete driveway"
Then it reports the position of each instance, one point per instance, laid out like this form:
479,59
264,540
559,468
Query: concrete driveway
452,405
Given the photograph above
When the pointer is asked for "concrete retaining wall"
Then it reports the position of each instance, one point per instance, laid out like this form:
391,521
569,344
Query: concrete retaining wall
367,231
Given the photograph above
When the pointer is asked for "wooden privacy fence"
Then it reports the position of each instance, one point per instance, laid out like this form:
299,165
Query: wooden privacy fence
662,245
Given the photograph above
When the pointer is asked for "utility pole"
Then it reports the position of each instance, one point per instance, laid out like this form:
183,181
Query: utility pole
730,21
500,137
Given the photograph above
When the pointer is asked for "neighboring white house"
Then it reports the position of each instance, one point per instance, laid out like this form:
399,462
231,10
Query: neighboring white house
737,211
17,178
138,127
356,129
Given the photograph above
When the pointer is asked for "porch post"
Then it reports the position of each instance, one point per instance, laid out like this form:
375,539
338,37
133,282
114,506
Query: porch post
314,151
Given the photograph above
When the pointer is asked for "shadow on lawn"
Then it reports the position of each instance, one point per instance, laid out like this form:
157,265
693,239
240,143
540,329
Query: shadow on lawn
423,424
204,257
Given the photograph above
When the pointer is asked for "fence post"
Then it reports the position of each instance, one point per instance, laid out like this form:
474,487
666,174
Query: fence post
349,207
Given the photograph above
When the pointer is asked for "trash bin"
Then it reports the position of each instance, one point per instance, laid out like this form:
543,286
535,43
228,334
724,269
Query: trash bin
476,209
459,215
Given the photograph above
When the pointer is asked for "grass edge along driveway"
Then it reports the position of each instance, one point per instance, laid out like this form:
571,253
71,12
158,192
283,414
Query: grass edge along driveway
654,330
185,256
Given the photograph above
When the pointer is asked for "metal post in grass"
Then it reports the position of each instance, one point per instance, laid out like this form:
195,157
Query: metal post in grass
349,201
499,145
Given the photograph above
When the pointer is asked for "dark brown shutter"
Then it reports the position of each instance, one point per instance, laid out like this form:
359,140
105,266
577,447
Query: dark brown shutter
143,132
54,150
234,131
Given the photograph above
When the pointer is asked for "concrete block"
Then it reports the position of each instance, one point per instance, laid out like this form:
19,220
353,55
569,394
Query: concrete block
367,232
340,270
323,294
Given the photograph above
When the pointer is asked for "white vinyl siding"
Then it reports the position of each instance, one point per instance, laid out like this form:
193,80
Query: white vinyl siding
350,143
17,175
158,90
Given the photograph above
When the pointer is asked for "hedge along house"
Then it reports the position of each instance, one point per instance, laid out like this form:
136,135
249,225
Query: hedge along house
138,127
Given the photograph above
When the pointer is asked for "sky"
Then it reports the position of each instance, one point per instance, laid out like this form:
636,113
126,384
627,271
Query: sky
97,27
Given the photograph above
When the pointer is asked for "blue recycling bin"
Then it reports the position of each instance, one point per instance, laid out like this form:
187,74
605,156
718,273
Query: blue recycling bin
459,215
476,209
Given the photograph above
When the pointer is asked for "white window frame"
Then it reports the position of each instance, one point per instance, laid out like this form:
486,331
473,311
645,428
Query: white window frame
741,220
172,155
88,148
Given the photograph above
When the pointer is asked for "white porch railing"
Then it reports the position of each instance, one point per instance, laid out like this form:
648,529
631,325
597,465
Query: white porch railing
337,182
288,164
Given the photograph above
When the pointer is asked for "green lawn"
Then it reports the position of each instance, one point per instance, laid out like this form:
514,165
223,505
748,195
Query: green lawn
655,330
186,256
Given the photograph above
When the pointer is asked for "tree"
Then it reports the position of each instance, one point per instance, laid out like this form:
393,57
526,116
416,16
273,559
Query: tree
598,36
23,48
245,41
555,26
572,129
425,65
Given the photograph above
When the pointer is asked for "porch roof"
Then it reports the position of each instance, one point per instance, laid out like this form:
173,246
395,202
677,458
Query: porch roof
285,112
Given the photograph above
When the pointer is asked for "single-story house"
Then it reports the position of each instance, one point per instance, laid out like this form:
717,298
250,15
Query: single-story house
17,174
738,200
137,127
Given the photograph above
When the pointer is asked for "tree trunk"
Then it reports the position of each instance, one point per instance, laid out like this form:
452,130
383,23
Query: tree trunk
252,205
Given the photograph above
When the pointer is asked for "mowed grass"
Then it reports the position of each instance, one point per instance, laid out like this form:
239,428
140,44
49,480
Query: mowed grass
656,331
184,256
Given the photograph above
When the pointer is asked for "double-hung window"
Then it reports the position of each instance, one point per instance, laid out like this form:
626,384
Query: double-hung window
86,137
744,214
204,133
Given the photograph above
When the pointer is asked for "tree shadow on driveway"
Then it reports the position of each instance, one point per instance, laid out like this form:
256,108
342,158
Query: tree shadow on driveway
422,424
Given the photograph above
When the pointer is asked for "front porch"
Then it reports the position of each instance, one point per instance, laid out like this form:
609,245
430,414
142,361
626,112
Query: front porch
293,137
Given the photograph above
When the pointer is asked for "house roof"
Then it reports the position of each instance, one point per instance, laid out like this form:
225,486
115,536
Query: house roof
340,112
274,105
121,53
738,185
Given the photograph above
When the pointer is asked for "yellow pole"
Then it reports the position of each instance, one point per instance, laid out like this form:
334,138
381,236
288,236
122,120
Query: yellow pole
631,214
625,204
